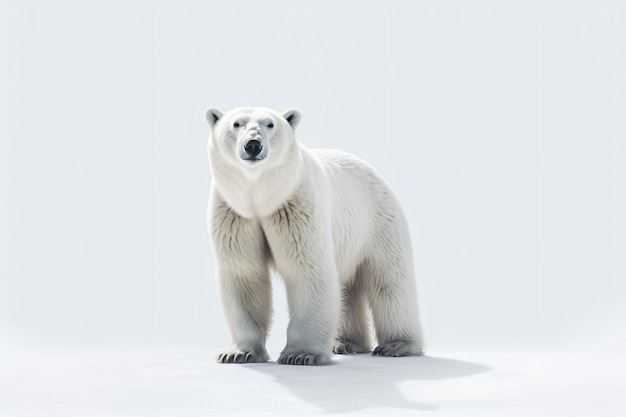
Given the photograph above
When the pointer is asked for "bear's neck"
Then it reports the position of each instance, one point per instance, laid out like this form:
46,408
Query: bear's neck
262,195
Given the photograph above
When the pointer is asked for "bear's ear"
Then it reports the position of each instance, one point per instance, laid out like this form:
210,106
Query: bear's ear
293,117
212,116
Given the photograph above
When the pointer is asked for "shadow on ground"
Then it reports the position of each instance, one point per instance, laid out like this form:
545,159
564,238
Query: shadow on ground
359,382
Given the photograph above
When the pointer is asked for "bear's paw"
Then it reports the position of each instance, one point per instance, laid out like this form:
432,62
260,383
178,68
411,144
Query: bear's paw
342,347
303,358
239,356
398,348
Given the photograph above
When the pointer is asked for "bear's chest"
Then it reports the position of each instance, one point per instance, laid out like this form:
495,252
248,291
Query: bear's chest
259,198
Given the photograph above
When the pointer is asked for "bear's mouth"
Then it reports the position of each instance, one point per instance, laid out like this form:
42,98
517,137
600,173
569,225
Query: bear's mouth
253,159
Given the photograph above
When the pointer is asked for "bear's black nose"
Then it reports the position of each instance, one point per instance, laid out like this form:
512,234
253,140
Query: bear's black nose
253,147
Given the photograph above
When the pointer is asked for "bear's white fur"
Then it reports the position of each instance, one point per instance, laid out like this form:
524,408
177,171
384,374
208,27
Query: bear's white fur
327,222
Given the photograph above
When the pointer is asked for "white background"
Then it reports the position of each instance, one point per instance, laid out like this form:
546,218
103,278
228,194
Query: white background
499,126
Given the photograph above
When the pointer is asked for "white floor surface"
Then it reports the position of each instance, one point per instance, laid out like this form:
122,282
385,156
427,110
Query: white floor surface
189,383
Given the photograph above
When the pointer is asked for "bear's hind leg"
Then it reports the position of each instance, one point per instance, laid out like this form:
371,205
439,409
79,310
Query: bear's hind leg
353,336
393,300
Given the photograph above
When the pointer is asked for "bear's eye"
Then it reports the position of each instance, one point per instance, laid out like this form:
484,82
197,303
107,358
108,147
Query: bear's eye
270,125
236,125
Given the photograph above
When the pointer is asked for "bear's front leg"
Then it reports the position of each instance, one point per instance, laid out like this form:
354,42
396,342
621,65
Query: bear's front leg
300,241
242,271
246,301
313,301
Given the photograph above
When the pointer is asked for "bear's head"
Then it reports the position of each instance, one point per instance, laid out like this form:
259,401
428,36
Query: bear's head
252,139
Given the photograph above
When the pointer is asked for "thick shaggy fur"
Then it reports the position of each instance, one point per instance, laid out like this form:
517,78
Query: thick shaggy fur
328,223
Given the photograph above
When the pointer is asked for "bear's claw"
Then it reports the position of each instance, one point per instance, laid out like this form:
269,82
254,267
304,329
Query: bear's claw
303,358
238,356
397,349
342,347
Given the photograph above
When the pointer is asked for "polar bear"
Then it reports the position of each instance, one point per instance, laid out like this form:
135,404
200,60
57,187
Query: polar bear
327,223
